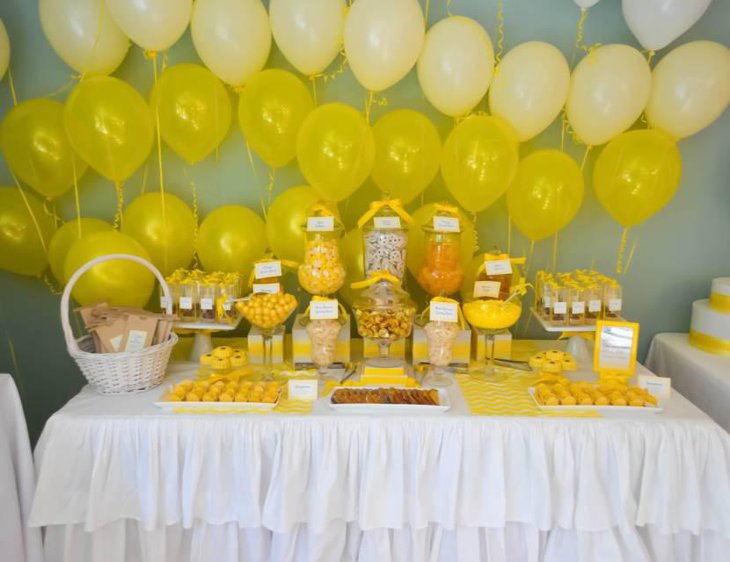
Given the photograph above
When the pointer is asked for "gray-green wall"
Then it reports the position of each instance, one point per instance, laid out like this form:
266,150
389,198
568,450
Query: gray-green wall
679,251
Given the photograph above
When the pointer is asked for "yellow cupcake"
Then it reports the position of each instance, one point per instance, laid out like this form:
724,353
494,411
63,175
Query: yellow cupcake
220,363
226,397
551,366
601,400
206,359
554,355
241,397
192,397
537,360
223,352
238,360
567,400
569,364
585,400
551,400
239,351
618,400
209,397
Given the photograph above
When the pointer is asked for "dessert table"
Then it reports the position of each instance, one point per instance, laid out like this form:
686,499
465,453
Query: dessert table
120,480
17,479
702,377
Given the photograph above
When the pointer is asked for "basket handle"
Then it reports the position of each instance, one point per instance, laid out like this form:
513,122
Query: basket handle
66,297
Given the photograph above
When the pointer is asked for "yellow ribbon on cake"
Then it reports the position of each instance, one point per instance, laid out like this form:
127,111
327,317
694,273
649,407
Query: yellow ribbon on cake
720,302
710,344
395,204
374,278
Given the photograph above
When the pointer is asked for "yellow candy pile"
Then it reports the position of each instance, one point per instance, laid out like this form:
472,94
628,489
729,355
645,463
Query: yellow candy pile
562,392
322,272
267,310
553,362
492,314
225,391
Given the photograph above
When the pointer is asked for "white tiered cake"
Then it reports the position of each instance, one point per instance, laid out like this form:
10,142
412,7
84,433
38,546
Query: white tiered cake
710,328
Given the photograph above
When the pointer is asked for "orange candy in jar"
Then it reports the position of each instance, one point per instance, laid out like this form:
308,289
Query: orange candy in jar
441,273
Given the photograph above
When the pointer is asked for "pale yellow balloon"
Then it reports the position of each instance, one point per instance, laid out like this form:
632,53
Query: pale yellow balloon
232,37
690,88
608,91
530,87
382,40
65,236
84,35
154,25
308,32
4,49
456,65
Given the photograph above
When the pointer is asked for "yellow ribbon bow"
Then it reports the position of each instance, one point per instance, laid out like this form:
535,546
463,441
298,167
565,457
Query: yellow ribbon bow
322,208
374,278
459,313
375,206
318,298
446,208
284,263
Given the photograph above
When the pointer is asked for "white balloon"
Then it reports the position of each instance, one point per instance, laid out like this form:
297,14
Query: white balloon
530,87
383,39
84,35
232,37
456,65
585,4
154,25
609,89
308,32
4,49
656,23
690,88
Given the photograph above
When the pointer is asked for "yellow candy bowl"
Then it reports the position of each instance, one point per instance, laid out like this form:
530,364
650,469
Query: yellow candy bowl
492,314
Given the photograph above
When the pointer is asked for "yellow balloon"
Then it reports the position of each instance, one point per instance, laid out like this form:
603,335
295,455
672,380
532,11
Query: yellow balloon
417,239
230,239
407,153
690,88
166,231
21,247
636,174
63,239
546,193
194,110
270,112
109,125
351,250
285,221
479,161
36,147
117,282
335,149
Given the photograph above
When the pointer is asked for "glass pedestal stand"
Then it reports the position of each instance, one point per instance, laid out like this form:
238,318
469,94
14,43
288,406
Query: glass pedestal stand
578,346
202,332
490,372
384,360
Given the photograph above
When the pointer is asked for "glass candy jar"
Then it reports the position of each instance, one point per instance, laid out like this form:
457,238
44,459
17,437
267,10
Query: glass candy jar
441,273
322,271
384,314
441,323
385,237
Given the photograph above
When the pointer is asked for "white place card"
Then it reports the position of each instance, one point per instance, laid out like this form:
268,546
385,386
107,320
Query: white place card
270,288
163,302
489,289
206,304
446,224
498,267
443,312
324,310
185,303
614,305
320,224
267,269
386,223
594,305
659,387
560,307
303,389
577,307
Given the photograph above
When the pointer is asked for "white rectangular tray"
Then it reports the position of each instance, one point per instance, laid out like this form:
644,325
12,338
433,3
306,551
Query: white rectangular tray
192,407
603,409
444,404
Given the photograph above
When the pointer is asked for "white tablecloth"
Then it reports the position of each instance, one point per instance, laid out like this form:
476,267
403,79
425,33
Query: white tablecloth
702,377
119,481
17,479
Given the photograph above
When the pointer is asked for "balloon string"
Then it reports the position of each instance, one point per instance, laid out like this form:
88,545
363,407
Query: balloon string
500,32
270,187
77,199
448,8
509,234
31,213
120,205
313,80
426,11
621,250
369,104
476,232
256,177
196,216
649,56
631,256
585,157
161,173
144,177
563,128
63,88
579,35
555,252
51,212
55,290
11,83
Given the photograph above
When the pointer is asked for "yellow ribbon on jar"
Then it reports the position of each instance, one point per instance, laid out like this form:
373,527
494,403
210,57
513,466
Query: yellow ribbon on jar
710,344
394,204
459,313
322,208
453,210
499,257
374,278
720,302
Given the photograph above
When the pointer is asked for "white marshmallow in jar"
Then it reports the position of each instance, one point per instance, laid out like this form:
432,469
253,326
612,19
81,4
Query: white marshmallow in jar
385,238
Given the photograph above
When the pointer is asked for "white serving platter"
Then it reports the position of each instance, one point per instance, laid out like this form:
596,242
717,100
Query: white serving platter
646,410
221,407
386,409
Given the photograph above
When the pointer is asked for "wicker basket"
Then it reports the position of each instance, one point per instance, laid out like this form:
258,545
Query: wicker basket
123,372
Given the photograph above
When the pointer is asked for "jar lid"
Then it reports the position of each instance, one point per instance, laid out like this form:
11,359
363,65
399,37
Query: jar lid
391,209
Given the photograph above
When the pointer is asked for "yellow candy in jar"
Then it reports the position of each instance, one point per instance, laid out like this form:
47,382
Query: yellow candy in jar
322,272
267,310
492,314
